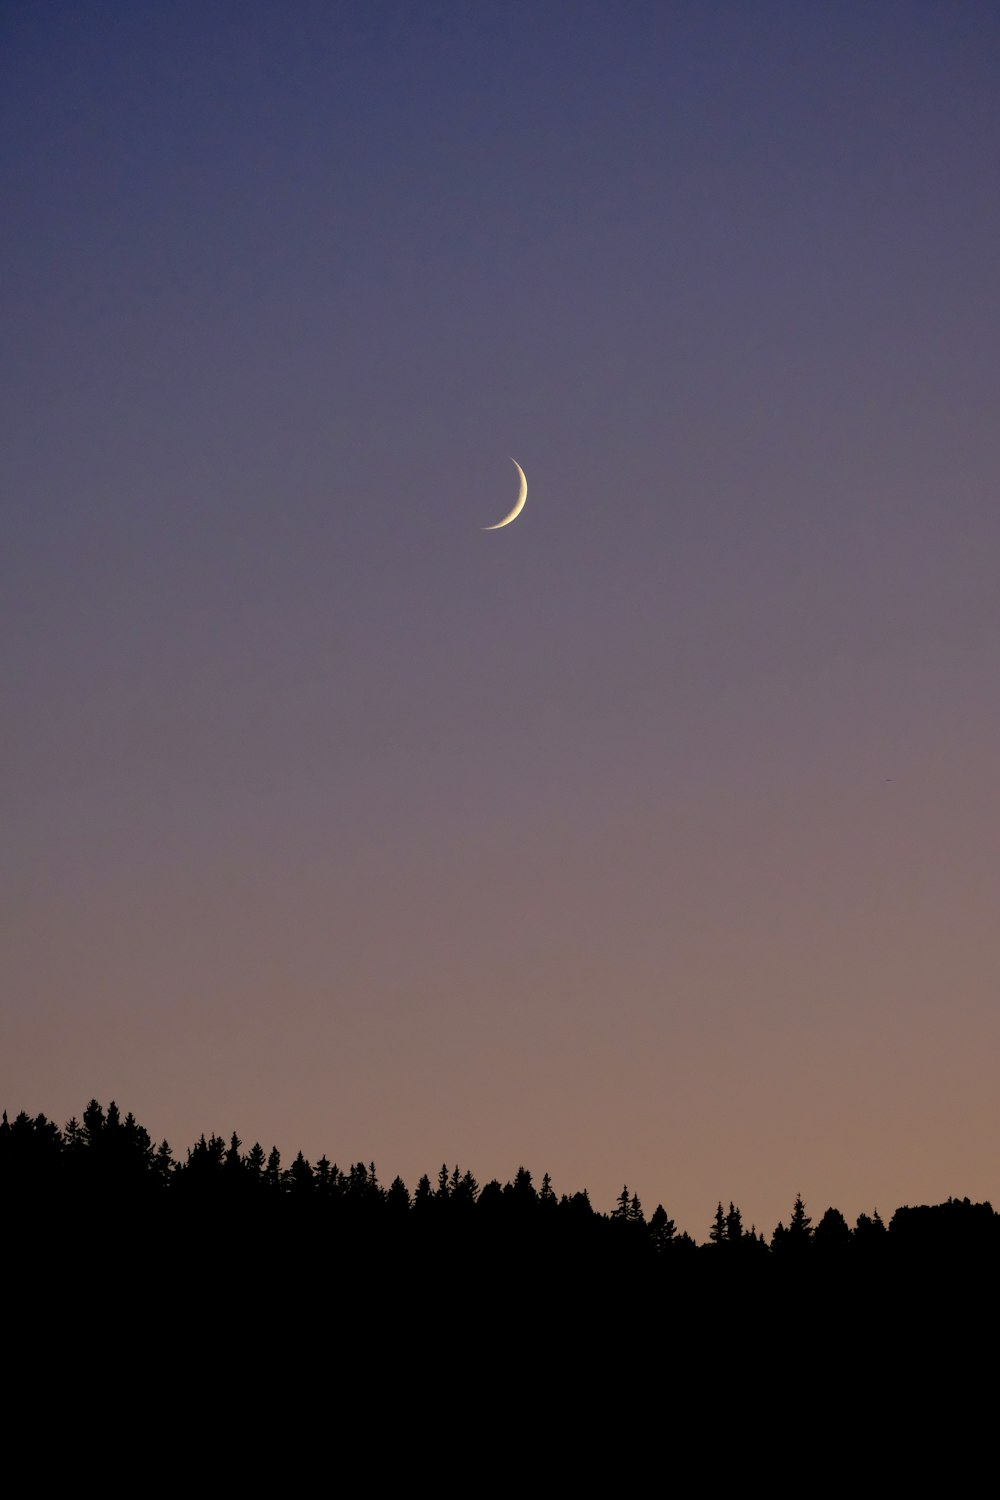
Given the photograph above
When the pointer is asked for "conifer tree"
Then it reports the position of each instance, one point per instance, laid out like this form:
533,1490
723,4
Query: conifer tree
93,1122
661,1229
233,1162
423,1197
796,1240
798,1228
163,1164
299,1178
465,1189
717,1233
870,1234
272,1172
832,1236
397,1199
521,1192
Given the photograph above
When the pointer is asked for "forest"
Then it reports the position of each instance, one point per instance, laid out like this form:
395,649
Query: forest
106,1166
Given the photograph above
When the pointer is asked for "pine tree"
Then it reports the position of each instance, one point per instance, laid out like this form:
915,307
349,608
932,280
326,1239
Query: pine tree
796,1240
832,1236
717,1233
362,1185
163,1164
205,1156
465,1190
490,1203
272,1172
661,1229
93,1122
299,1178
870,1235
397,1199
520,1194
233,1162
798,1228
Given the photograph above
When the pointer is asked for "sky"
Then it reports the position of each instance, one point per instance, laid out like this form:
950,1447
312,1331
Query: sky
651,839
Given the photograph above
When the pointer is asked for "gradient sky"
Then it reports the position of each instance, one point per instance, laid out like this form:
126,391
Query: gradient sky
652,839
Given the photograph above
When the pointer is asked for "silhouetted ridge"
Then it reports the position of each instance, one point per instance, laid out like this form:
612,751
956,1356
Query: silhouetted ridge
104,1172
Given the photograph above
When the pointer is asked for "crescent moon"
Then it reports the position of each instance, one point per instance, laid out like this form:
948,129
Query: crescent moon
520,501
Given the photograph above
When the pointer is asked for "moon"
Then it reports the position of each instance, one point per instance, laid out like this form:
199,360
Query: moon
520,501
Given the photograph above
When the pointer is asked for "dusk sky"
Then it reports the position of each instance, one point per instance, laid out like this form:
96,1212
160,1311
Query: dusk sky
653,838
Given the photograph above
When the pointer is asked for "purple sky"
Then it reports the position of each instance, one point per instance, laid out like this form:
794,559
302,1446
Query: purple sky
654,838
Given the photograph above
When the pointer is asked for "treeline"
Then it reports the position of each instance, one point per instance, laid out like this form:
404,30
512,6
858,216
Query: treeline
107,1165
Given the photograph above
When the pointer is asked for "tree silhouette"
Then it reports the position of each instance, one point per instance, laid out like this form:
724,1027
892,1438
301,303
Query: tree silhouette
522,1189
102,1173
397,1199
798,1226
661,1229
299,1179
832,1237
163,1165
423,1196
464,1190
272,1172
868,1239
717,1233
